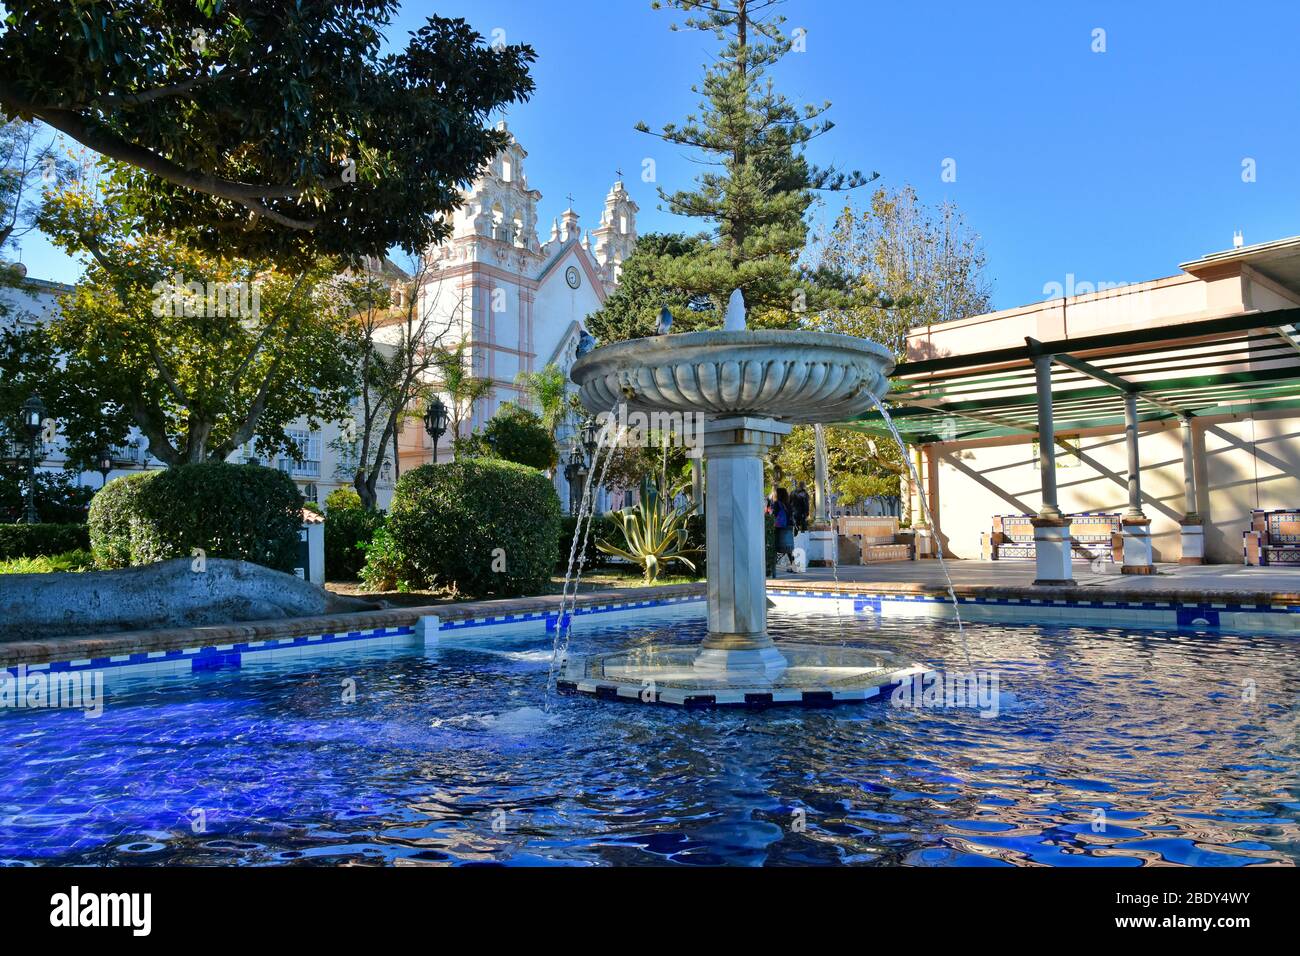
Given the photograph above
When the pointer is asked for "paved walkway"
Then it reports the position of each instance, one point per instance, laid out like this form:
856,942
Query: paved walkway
928,576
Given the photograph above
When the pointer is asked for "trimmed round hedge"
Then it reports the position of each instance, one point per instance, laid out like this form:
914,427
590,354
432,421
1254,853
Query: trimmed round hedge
243,512
113,510
448,522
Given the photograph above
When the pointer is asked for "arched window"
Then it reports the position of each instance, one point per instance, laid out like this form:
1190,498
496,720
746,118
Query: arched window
498,221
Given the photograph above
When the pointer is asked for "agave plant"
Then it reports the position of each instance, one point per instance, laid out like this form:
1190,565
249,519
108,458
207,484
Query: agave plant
655,529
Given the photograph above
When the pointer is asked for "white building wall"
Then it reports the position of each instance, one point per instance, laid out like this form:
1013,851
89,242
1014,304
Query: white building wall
1243,463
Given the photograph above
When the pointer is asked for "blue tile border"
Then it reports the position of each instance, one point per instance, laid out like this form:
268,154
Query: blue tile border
234,655
1190,615
216,656
552,618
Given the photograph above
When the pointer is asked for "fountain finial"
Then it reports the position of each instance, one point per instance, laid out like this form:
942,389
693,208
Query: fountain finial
733,320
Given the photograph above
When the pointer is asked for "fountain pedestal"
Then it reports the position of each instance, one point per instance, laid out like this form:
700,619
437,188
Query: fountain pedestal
738,645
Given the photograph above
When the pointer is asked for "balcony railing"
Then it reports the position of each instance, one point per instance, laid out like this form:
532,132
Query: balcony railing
127,454
301,469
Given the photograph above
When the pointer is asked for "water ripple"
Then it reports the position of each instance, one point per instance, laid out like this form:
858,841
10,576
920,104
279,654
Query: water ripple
1109,748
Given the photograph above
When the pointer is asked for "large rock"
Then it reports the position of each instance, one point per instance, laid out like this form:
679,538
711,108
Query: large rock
166,594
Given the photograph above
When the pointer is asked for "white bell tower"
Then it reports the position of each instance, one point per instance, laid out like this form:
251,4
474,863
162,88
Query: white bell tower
615,237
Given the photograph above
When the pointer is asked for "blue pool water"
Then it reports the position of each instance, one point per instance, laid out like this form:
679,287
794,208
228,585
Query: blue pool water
1110,748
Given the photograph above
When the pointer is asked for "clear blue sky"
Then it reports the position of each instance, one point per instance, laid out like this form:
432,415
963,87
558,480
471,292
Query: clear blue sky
1113,166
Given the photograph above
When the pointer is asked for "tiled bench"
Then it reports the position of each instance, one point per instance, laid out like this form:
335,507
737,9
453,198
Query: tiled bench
1094,536
1273,538
875,536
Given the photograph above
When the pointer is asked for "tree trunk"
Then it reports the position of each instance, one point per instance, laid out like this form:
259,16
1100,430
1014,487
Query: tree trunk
396,454
365,489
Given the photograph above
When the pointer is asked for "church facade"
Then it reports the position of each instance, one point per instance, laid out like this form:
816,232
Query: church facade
517,304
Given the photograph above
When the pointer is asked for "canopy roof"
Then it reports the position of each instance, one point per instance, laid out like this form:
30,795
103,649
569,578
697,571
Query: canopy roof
1233,365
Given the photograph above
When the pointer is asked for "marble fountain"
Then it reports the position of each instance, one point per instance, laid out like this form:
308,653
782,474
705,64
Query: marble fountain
752,386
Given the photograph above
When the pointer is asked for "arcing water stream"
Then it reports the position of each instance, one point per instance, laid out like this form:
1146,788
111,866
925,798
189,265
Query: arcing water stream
929,517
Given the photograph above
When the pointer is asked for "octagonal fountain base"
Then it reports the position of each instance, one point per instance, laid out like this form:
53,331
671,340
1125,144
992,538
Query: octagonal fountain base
814,675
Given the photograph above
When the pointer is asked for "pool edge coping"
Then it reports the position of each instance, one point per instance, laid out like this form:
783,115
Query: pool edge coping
94,646
104,645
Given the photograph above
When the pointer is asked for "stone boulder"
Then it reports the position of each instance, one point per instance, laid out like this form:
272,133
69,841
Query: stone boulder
166,594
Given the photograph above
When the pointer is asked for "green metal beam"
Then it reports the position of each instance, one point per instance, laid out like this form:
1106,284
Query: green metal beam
1101,375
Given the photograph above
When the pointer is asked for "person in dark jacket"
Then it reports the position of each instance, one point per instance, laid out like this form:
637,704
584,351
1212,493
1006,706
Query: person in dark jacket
799,508
779,506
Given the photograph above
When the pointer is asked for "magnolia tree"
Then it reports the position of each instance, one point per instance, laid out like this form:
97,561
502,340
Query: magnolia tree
268,127
202,353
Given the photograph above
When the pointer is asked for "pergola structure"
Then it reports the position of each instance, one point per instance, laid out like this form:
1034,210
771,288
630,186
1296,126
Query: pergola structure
1240,364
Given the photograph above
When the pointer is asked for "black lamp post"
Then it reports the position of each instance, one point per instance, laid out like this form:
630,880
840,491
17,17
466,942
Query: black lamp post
33,420
572,473
105,465
435,423
590,437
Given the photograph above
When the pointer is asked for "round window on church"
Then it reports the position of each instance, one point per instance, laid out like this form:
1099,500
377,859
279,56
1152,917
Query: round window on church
572,277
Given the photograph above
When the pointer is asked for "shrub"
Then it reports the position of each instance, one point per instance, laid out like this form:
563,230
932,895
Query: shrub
383,566
602,526
342,498
78,560
59,499
112,512
514,433
449,521
471,446
242,512
347,532
697,534
37,540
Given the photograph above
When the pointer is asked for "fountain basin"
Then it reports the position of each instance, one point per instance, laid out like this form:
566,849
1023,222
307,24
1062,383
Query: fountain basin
795,377
811,675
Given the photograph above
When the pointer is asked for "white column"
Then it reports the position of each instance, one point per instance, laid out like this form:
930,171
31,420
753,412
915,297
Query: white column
697,484
738,643
1051,529
923,533
820,472
1192,529
821,536
1136,526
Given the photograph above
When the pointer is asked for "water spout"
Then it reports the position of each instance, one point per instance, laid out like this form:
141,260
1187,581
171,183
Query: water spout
607,438
733,320
929,517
